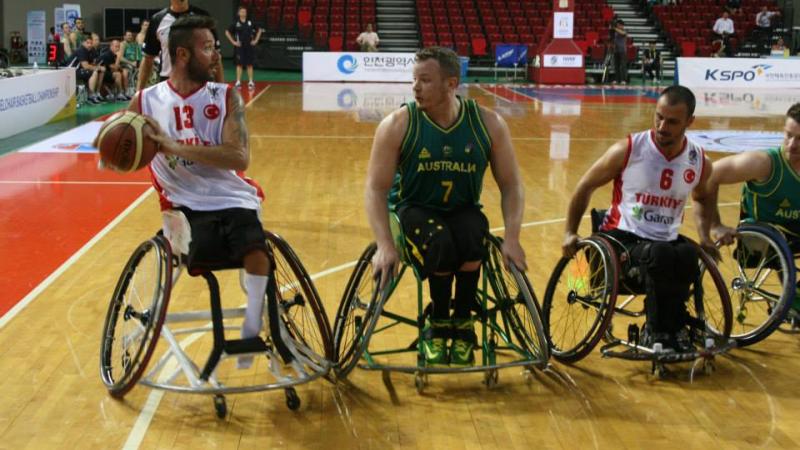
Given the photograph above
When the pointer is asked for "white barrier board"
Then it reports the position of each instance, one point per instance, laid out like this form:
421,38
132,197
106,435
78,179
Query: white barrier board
738,72
33,99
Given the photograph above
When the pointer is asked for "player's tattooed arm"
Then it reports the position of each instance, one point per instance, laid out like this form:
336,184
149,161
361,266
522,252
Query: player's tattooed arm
237,118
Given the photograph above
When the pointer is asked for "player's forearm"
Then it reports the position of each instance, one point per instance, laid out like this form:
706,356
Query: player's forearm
577,206
145,69
225,156
512,203
377,208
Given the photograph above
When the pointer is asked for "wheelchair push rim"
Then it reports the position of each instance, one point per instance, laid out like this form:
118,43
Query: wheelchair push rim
760,274
303,312
585,287
520,305
140,319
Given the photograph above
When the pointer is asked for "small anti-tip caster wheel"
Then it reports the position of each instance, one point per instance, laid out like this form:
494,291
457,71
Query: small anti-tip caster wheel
292,400
221,406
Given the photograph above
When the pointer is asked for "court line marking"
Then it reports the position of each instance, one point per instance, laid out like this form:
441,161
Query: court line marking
137,433
104,183
16,309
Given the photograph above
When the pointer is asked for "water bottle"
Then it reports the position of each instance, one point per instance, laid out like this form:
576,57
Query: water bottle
35,66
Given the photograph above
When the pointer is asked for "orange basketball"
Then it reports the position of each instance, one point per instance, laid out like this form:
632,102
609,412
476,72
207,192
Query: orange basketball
124,142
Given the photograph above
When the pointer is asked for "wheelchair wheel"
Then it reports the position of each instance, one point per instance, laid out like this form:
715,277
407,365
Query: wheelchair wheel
759,271
356,316
709,301
522,310
135,316
580,298
304,315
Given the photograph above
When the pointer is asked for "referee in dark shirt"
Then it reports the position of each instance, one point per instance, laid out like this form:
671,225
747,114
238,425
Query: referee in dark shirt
241,34
156,41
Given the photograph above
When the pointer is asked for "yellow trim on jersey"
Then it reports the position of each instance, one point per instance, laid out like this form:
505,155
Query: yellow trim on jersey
477,138
483,126
412,116
414,251
462,113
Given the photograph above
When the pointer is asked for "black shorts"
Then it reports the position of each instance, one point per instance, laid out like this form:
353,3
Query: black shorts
442,241
108,76
83,74
221,239
245,55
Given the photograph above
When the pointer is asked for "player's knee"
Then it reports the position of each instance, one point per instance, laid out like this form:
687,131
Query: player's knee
256,262
660,260
470,266
440,254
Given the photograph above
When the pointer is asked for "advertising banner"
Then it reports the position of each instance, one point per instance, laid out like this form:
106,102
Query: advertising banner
37,37
32,100
563,25
738,72
356,66
562,60
735,141
72,11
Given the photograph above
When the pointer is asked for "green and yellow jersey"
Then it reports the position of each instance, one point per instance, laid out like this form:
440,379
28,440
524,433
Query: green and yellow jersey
777,200
441,168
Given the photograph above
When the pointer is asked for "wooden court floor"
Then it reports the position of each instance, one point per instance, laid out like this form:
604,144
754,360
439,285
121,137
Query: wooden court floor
311,159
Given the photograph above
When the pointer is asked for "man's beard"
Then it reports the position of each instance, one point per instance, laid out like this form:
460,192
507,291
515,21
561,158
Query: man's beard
198,73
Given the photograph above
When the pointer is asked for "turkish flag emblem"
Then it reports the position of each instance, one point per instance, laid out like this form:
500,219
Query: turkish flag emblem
211,112
688,175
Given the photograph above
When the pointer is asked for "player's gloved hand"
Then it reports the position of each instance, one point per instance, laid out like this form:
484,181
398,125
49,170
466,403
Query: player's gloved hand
724,235
570,244
384,263
513,253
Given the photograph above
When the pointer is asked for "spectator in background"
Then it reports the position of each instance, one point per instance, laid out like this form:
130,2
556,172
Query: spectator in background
142,32
723,29
66,41
128,58
368,40
780,49
764,25
78,34
89,71
734,6
620,52
113,77
241,34
651,62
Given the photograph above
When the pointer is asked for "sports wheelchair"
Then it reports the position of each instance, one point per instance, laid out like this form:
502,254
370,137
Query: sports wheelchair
581,307
759,269
297,343
510,334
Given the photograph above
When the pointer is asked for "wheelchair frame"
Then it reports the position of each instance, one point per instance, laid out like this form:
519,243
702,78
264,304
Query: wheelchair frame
713,338
493,329
310,360
768,245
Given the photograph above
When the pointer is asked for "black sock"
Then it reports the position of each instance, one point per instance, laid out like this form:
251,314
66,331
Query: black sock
441,287
466,291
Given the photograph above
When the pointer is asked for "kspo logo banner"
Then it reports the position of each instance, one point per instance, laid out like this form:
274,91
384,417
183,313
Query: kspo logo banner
739,72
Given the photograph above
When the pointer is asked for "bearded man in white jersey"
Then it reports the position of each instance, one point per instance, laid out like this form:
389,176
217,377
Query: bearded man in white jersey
654,172
199,169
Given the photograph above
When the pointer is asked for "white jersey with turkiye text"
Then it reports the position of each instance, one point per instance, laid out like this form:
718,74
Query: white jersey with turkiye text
195,119
651,192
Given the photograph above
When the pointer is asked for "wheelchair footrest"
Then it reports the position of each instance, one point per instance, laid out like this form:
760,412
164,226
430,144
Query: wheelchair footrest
249,345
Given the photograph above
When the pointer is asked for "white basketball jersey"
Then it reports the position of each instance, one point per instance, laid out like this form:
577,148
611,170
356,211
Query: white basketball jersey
651,192
195,119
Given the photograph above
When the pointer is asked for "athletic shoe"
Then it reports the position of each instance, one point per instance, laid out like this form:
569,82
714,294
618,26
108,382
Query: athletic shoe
122,98
462,350
251,85
434,341
238,85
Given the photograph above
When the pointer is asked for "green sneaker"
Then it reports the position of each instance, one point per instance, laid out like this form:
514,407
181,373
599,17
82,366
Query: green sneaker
434,342
462,352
